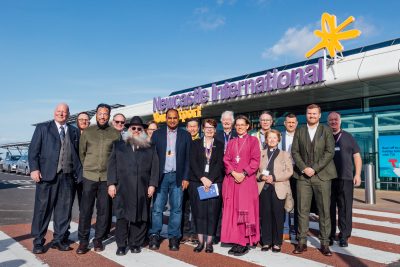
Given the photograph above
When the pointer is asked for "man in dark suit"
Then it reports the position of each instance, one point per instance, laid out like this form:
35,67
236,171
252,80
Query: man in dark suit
173,148
227,119
313,149
54,163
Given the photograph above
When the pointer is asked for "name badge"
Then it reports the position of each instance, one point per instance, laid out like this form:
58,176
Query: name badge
265,172
207,168
337,148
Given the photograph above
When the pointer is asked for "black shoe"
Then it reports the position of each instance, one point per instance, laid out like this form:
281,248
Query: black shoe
325,250
266,247
174,244
343,242
199,248
154,242
82,249
300,248
233,250
209,248
241,250
121,251
98,245
136,249
276,248
216,240
60,246
38,249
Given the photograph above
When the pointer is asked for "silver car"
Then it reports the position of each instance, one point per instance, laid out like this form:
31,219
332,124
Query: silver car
10,163
23,165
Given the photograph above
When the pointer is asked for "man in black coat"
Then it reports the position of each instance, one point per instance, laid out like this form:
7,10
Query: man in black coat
227,120
54,163
132,176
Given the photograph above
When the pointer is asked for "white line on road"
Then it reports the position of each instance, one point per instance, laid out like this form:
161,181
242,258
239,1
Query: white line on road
377,213
13,253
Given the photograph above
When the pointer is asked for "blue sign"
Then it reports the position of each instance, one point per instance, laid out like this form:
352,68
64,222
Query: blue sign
389,156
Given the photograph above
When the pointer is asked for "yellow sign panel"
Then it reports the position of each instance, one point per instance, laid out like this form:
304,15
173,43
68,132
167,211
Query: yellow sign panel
183,115
331,35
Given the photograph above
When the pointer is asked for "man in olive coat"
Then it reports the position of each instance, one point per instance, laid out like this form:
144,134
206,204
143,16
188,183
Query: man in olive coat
132,176
313,149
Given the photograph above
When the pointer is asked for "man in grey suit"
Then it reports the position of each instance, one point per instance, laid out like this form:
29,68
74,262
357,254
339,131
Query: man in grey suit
313,150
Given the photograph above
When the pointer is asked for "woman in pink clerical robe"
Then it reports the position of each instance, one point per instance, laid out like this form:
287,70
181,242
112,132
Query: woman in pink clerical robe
240,217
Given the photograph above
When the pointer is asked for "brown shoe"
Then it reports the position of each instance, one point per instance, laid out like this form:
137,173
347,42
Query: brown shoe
286,237
98,245
82,249
300,248
325,250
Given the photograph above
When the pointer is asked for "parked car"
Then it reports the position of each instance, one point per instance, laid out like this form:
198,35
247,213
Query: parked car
10,163
1,163
23,165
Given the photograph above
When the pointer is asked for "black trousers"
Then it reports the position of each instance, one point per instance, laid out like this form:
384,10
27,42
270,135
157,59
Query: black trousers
76,191
55,198
293,187
130,233
110,215
272,215
187,225
342,198
93,191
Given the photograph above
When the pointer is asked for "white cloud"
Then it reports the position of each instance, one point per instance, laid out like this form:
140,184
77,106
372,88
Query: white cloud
295,43
229,2
367,29
208,20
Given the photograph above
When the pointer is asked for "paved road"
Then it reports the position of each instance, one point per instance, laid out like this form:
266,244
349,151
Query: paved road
375,242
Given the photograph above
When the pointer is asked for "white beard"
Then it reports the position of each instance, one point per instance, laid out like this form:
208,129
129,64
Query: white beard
136,141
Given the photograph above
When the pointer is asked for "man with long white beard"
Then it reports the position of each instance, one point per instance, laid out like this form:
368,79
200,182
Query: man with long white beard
133,173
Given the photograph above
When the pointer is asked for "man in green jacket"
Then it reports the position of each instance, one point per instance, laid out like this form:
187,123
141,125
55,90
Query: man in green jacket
95,148
313,149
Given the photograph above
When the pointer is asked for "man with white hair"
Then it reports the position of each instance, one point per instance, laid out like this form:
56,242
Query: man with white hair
227,119
54,163
347,155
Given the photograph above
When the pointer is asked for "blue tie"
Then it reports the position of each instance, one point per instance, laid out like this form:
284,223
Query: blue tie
62,133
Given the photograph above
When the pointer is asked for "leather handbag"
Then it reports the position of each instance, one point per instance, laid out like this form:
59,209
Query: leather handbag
289,202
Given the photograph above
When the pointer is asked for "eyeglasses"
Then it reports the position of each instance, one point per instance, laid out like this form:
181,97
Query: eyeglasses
266,120
103,114
209,128
85,120
134,128
119,122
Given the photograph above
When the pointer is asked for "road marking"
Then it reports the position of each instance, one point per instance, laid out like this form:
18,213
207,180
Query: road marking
146,258
377,213
377,223
12,253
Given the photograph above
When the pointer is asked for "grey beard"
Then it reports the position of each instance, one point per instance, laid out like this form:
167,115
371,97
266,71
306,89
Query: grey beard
137,141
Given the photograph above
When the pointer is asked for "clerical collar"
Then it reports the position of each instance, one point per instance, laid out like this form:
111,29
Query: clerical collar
272,149
243,135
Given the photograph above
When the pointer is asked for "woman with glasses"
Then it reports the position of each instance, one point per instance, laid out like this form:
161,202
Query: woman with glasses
274,173
151,127
240,217
207,173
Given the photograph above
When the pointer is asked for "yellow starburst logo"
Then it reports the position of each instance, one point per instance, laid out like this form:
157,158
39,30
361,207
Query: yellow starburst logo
331,35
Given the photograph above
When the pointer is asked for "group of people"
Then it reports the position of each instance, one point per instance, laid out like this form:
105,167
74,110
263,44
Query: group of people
229,185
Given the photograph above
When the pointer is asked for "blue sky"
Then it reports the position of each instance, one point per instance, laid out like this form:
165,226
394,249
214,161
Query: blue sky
87,52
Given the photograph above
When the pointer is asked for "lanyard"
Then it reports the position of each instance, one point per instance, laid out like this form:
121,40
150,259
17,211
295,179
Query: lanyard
227,137
340,135
241,147
208,150
269,158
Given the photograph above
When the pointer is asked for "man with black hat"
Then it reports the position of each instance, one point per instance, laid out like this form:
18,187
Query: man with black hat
132,176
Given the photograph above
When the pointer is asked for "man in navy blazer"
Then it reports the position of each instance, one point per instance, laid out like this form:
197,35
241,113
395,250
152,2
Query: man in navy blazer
54,164
173,148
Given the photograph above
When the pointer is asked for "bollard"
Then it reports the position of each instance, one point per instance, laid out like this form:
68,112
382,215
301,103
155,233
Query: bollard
369,173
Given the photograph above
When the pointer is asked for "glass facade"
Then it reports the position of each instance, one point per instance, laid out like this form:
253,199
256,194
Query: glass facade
365,118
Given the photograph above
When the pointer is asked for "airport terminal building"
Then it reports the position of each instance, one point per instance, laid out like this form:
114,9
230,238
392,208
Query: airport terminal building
363,85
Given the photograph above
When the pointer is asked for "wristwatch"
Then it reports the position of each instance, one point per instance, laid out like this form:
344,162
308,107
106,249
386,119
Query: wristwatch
245,173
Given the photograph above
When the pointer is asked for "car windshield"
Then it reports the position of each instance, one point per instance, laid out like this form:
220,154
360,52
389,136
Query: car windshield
15,157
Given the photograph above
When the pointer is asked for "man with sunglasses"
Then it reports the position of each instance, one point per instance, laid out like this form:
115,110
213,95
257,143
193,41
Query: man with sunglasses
94,149
132,177
118,122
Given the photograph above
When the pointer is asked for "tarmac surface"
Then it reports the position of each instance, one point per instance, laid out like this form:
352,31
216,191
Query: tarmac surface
375,239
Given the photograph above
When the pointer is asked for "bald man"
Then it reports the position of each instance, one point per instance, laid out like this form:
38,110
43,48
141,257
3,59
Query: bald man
54,163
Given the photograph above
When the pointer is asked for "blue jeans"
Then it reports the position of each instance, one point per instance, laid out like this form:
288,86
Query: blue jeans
167,189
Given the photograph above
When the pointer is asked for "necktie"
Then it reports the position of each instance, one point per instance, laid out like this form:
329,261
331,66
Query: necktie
62,133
